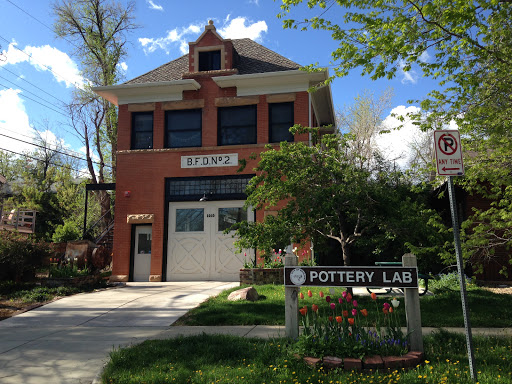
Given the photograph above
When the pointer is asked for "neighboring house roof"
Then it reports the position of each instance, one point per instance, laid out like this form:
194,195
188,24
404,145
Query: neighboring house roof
252,58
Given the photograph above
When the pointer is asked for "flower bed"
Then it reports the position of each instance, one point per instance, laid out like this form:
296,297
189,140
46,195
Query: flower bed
260,276
340,327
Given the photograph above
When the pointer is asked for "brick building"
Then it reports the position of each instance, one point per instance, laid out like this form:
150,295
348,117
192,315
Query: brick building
183,127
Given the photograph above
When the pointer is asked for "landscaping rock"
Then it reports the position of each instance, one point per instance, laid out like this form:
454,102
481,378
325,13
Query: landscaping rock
351,364
393,362
248,293
373,362
312,361
412,359
331,362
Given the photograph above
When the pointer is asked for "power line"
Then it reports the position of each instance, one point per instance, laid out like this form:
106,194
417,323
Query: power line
32,84
32,93
35,101
31,137
54,150
40,22
43,65
40,160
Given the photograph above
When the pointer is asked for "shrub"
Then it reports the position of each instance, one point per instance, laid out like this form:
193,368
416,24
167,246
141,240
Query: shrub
20,255
448,282
67,232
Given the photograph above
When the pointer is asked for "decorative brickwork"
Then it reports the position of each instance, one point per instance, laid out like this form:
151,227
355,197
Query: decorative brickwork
260,276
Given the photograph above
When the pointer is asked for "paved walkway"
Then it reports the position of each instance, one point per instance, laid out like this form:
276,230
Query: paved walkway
68,341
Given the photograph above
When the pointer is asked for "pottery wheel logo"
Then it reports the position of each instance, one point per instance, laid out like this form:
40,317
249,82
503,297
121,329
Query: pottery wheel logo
298,276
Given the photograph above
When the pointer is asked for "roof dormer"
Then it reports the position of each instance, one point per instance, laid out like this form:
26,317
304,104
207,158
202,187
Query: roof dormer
210,52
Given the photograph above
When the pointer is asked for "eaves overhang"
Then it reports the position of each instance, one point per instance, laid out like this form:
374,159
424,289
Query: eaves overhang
147,92
285,82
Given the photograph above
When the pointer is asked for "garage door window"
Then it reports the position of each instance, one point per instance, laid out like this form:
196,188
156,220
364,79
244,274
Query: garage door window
230,216
190,220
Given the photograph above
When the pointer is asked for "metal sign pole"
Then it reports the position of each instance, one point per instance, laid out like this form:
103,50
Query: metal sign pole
462,280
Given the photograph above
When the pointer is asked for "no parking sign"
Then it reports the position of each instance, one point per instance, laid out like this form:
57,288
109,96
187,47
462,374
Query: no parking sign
448,153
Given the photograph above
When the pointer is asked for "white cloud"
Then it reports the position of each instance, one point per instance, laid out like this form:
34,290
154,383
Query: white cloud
179,38
237,29
44,58
424,57
123,66
408,76
396,145
154,6
14,122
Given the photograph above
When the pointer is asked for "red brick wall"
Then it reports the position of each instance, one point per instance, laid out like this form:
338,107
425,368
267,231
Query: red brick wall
143,173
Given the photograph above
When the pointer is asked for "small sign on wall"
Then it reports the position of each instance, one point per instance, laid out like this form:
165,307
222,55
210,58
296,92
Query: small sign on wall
204,161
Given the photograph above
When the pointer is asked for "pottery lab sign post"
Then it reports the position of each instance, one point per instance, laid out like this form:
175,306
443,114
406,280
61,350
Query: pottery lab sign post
449,163
405,277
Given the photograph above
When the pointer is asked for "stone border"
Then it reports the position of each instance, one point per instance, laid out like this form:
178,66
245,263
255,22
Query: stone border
408,361
260,276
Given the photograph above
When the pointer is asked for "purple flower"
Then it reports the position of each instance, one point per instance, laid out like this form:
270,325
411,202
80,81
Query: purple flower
354,303
328,299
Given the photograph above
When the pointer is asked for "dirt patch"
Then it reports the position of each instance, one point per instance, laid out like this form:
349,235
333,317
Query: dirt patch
9,308
500,291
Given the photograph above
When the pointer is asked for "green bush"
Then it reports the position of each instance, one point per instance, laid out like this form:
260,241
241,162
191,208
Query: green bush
67,232
448,282
20,255
68,271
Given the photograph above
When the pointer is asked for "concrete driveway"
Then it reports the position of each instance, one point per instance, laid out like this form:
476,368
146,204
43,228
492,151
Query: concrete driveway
69,340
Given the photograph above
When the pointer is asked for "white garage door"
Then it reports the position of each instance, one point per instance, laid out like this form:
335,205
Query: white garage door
197,247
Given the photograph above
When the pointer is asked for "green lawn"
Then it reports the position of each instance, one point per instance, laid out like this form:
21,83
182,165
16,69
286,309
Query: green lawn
444,309
229,359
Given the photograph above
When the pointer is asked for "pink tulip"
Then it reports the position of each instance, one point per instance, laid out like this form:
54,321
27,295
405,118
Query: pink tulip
354,312
333,306
354,303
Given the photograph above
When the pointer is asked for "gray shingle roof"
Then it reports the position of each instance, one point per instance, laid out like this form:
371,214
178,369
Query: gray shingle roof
253,58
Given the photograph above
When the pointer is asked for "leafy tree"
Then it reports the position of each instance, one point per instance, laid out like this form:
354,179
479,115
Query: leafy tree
323,194
465,46
363,120
98,30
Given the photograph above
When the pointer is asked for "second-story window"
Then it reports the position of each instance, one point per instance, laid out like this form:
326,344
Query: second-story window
209,61
237,125
183,128
142,130
280,121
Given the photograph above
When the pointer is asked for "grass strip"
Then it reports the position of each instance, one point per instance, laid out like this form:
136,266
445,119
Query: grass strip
230,359
444,309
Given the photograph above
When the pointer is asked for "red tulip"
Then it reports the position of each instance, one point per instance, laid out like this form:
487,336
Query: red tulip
364,312
301,295
321,294
303,311
351,320
310,293
328,299
349,297
345,313
314,307
330,318
374,296
339,319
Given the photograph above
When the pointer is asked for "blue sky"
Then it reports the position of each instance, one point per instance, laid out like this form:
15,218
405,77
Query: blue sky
38,68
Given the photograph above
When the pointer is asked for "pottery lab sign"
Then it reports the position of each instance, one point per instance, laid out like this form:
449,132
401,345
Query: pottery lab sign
399,277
